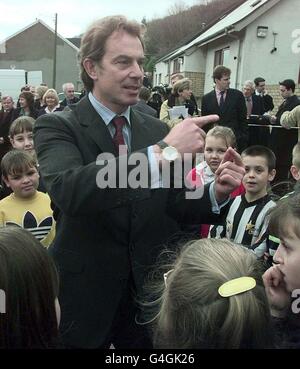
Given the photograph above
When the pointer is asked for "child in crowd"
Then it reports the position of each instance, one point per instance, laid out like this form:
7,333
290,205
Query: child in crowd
217,141
271,241
29,309
246,220
282,280
213,297
21,134
25,207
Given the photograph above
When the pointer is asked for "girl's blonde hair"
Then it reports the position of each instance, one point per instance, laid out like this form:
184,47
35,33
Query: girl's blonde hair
193,315
225,133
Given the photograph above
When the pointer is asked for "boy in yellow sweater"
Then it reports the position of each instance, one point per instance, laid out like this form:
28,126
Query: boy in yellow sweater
25,207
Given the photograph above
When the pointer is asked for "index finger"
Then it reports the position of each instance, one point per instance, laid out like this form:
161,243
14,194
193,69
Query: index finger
232,155
202,121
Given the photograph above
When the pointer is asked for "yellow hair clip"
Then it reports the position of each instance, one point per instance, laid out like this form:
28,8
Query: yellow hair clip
236,286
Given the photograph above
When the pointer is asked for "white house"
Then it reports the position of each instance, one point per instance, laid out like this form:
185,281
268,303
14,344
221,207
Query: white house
258,38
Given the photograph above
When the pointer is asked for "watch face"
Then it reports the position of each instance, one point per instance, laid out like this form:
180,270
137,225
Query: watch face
170,153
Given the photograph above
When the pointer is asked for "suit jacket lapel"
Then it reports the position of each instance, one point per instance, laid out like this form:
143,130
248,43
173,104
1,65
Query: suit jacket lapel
214,100
227,100
95,126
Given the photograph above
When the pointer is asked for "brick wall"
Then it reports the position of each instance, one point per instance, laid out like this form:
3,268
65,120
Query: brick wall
197,79
273,90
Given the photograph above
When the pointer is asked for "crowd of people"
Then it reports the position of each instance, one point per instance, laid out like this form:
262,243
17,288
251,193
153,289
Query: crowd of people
87,262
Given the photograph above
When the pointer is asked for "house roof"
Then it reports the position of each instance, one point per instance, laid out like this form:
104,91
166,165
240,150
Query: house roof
45,25
229,23
75,41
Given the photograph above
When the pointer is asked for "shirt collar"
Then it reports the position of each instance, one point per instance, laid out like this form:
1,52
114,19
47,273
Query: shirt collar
219,92
106,114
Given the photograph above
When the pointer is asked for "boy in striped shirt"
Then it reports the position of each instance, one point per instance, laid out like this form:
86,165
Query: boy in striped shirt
246,220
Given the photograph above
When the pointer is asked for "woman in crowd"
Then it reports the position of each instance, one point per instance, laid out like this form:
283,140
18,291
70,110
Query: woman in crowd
50,102
26,100
180,96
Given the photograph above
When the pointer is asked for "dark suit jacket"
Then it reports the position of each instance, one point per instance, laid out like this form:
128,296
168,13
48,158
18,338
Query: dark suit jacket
268,103
283,140
5,123
103,235
143,107
257,135
233,115
72,101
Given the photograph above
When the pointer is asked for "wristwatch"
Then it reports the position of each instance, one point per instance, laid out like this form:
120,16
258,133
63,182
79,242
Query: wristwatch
169,153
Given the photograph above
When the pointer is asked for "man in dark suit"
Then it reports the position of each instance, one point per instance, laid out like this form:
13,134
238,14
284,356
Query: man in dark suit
229,104
282,141
255,111
69,90
142,106
109,231
260,90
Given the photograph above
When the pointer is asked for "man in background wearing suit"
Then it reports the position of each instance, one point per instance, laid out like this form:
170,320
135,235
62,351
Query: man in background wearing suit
229,104
260,90
109,237
282,141
255,111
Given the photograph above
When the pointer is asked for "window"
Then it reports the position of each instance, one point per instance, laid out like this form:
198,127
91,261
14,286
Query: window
222,57
176,66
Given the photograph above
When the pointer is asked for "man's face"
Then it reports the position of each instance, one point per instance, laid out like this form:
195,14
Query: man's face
7,104
119,76
261,87
284,92
70,91
223,83
247,91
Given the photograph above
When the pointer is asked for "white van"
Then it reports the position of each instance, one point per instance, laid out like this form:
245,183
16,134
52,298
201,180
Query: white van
12,80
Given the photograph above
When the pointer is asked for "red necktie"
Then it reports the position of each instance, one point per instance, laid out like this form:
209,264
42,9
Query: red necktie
118,138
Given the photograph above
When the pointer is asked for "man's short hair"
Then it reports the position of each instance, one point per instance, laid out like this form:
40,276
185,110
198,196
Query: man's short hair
258,80
249,84
296,155
144,94
21,125
265,152
17,162
93,42
220,71
289,84
7,97
66,85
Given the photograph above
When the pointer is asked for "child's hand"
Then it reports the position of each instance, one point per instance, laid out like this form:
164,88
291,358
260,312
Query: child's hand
278,296
229,175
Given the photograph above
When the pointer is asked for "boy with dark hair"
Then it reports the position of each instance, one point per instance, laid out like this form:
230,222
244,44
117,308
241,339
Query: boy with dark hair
246,216
25,207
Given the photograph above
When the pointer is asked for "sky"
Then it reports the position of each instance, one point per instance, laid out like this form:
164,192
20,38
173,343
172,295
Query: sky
74,16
